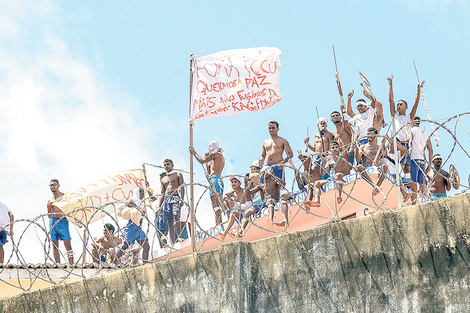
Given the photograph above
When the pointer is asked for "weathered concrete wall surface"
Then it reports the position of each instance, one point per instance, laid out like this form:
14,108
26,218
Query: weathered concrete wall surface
411,260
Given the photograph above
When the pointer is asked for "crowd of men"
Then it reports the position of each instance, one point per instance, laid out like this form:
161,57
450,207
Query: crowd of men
355,144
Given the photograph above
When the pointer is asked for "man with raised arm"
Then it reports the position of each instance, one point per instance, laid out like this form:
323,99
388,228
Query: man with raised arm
439,182
59,225
321,143
133,229
171,198
403,120
368,116
215,162
273,151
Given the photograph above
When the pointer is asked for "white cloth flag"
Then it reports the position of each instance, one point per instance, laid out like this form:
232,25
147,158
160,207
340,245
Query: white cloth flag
235,81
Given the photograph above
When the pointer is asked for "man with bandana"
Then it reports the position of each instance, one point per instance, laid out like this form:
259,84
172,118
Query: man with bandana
215,162
369,116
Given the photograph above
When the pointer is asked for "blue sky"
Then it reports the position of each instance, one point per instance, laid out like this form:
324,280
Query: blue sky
95,87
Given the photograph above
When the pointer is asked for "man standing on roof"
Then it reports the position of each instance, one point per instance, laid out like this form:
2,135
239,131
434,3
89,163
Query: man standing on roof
403,120
215,162
59,225
170,200
6,218
273,151
439,182
419,143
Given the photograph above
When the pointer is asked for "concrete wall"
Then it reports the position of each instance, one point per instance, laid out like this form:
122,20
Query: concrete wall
410,260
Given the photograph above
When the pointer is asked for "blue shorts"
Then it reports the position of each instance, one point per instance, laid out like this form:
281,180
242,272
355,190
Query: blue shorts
436,196
133,233
59,228
417,171
103,258
217,184
171,206
278,171
3,238
258,207
363,141
406,159
161,222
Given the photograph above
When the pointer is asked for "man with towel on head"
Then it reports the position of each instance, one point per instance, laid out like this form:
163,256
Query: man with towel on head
215,162
133,230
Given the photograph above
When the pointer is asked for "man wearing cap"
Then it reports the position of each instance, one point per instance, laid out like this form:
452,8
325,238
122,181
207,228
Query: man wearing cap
238,200
419,143
403,120
321,143
273,151
439,182
369,116
215,162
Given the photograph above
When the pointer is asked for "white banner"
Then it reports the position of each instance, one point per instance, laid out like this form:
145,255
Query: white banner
83,202
235,81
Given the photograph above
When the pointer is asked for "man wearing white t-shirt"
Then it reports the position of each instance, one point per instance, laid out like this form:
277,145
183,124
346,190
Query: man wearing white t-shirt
403,120
6,218
369,116
419,143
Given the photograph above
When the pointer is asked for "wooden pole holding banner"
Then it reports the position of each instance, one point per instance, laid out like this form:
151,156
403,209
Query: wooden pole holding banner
192,59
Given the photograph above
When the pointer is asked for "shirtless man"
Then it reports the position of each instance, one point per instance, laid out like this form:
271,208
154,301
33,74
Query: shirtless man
344,132
439,182
59,225
215,162
132,231
339,165
238,201
273,151
367,155
321,143
170,200
403,120
368,116
103,247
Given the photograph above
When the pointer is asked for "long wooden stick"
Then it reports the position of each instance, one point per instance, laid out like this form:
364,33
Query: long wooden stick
192,59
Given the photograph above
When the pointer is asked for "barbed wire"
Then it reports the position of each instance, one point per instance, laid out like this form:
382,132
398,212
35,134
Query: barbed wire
163,248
